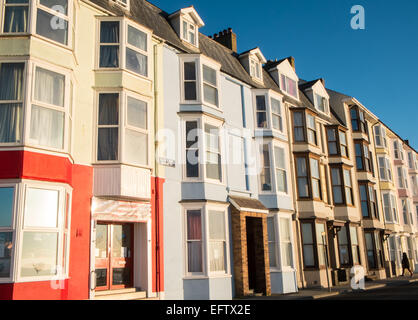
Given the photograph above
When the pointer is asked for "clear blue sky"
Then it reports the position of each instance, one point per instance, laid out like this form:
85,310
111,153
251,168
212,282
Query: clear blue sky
378,65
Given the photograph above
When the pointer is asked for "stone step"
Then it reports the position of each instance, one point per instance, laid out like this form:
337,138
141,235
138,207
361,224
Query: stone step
122,294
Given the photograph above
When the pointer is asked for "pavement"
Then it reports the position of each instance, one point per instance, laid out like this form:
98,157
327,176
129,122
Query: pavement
321,293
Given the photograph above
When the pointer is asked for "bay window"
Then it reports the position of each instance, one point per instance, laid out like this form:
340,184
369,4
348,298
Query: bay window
358,122
343,246
261,111
299,126
52,20
402,178
15,19
213,153
341,179
308,177
210,85
309,259
194,241
280,167
363,157
121,114
380,136
385,169
200,81
6,230
265,174
337,142
131,54
397,152
272,245
311,129
276,114
11,101
286,242
47,123
390,208
39,215
192,149
217,241
207,241
368,201
289,86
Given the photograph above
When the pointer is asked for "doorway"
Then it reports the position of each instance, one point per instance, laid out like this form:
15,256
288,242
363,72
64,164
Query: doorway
255,255
114,256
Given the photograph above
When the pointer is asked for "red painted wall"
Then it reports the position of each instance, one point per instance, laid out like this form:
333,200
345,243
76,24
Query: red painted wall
157,234
36,166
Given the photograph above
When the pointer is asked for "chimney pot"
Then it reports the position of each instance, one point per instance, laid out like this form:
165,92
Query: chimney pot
227,38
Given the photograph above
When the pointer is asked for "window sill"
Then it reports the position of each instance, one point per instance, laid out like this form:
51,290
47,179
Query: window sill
110,70
207,277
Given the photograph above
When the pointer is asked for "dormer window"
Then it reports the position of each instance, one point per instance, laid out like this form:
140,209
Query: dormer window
189,32
255,69
321,103
186,22
288,85
122,3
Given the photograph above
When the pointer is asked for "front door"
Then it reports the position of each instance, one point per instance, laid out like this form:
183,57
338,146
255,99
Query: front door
114,258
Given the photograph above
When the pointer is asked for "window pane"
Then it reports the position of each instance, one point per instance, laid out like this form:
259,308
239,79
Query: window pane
51,27
49,87
314,168
136,62
136,147
137,38
320,228
279,157
189,71
281,181
11,81
353,235
39,254
308,255
41,208
63,5
6,207
272,254
342,236
261,103
303,187
262,119
6,247
216,225
190,91
209,75
109,109
284,230
210,94
286,254
217,256
107,144
137,113
47,127
109,56
307,233
194,225
109,32
270,229
16,19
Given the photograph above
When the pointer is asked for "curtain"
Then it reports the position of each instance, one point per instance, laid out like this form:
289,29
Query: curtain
16,19
137,38
109,55
11,89
47,127
49,87
194,243
108,137
136,62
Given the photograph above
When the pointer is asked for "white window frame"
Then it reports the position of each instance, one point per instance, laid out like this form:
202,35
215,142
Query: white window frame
388,176
380,131
281,115
256,70
34,5
124,23
204,209
189,25
260,150
324,100
277,168
66,109
199,61
64,235
123,125
202,120
286,89
393,208
124,4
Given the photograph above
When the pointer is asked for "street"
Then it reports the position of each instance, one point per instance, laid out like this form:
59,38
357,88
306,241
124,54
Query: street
396,292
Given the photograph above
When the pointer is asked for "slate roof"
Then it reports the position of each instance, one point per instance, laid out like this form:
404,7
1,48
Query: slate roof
247,203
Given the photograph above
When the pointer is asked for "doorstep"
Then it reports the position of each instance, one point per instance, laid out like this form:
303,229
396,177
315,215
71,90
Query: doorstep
122,294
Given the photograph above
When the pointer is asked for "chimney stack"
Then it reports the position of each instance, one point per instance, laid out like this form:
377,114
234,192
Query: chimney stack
292,62
227,38
407,142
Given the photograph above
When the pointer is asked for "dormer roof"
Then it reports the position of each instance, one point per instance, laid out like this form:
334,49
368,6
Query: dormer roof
191,12
257,52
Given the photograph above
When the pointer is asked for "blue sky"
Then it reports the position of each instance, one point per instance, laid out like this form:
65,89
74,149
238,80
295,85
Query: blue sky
378,65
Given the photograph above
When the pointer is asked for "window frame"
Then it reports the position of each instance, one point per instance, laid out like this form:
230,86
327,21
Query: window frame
200,61
205,208
361,123
370,204
285,86
305,113
343,187
123,44
366,162
324,101
308,157
387,168
277,168
315,245
380,134
339,145
393,208
63,229
123,126
189,23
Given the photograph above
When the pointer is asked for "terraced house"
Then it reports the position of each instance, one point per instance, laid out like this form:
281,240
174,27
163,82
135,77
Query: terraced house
140,158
